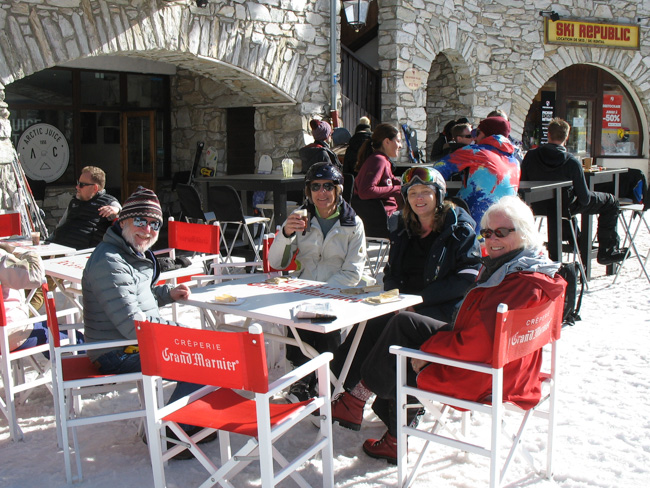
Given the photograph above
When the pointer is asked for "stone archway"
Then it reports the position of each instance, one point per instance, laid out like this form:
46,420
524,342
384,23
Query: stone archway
627,66
449,93
262,55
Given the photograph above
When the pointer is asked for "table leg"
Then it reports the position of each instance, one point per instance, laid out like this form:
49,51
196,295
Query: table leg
554,227
279,206
585,242
340,381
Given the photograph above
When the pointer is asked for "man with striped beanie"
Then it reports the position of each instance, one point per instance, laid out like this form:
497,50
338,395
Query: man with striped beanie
119,280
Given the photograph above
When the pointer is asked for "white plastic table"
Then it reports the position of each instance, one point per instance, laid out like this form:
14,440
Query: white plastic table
44,250
67,272
275,303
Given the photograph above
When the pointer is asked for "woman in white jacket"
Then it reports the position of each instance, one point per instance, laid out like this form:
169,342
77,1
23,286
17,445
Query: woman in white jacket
331,245
20,271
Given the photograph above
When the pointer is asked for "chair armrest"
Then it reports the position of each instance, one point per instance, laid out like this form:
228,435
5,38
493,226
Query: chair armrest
98,345
300,372
181,402
406,352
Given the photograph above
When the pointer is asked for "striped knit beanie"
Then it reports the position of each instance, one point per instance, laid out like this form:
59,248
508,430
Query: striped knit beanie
142,203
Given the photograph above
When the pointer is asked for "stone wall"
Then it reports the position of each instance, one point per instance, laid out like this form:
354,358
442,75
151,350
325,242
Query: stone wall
498,56
476,55
272,54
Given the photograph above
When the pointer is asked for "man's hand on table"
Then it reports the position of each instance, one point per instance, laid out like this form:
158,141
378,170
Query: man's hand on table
181,292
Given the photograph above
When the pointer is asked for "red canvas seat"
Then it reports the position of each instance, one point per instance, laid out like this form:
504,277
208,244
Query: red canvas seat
10,224
518,333
266,266
232,361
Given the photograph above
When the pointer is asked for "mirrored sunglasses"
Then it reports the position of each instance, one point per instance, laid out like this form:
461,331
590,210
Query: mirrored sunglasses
426,175
142,222
326,186
81,184
499,232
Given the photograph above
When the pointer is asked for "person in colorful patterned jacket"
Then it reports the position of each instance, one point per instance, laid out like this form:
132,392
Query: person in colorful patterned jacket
490,167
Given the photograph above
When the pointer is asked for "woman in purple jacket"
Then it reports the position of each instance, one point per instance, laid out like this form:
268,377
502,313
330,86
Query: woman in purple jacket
375,177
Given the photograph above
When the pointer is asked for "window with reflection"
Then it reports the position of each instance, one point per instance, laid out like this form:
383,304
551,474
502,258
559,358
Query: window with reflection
99,89
620,134
48,87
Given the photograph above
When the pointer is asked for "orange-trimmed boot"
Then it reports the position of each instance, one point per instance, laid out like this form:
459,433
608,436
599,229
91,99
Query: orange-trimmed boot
347,410
384,448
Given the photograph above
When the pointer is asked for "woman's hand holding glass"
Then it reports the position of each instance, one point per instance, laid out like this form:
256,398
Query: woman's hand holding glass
296,222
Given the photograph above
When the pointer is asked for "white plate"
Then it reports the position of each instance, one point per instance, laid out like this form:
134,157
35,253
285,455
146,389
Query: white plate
394,299
238,301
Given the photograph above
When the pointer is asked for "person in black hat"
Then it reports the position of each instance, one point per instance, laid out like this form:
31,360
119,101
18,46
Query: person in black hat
319,150
362,133
331,247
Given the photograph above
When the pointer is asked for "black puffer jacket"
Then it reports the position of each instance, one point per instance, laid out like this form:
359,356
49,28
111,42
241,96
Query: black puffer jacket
356,141
317,152
449,271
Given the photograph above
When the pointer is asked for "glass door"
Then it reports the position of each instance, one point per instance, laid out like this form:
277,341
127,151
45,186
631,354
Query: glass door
138,152
579,114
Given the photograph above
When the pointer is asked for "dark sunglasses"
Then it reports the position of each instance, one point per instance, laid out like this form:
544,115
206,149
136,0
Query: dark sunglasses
499,232
81,184
142,222
325,186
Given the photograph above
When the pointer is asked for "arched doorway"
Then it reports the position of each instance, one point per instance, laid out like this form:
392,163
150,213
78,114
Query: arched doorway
604,118
449,94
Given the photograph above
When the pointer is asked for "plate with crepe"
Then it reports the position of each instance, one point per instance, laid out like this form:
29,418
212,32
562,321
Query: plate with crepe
227,300
386,297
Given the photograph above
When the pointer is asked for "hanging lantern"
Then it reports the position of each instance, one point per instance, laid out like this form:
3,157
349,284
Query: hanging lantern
356,12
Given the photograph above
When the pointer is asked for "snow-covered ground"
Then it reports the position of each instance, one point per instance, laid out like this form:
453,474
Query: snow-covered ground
602,437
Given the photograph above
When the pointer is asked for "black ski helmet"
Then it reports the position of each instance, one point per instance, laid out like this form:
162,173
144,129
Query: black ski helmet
324,171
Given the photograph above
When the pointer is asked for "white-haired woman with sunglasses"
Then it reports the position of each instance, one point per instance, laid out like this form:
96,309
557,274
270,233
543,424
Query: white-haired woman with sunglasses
516,271
331,246
434,253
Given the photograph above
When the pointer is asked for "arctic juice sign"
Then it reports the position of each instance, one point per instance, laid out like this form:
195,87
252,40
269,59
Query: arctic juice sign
44,152
612,111
624,36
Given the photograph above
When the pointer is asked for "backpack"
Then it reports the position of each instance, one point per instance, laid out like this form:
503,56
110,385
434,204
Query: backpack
572,298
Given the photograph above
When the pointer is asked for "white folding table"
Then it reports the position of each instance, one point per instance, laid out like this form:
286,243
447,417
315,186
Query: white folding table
275,303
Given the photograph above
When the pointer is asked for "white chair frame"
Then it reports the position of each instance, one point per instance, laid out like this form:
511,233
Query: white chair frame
545,409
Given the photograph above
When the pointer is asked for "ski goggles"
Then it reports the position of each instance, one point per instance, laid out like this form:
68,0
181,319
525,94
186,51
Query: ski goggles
499,232
424,174
142,222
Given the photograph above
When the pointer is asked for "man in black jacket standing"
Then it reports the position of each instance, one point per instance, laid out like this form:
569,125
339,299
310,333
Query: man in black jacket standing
552,162
89,214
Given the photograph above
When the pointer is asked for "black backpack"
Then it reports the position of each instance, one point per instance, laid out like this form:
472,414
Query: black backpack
572,298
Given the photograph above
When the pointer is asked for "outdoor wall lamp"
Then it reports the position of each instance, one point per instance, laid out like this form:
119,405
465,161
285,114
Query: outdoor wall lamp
552,14
356,12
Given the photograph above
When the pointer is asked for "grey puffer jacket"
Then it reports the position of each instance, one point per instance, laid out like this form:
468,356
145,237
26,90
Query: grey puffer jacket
117,283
